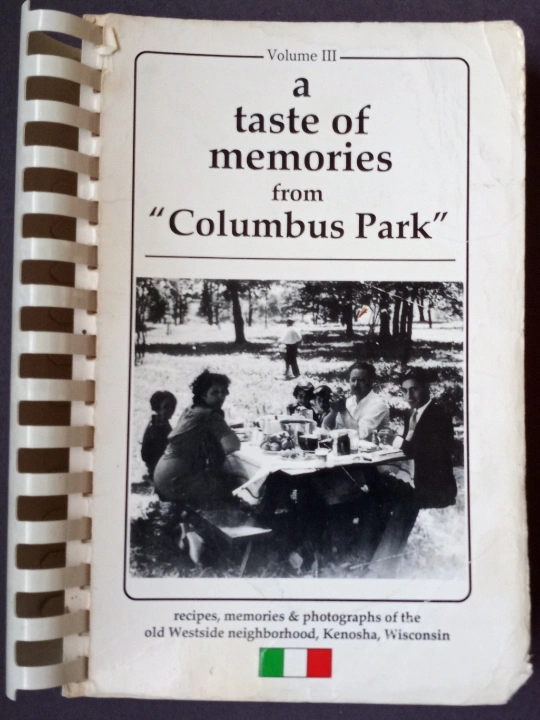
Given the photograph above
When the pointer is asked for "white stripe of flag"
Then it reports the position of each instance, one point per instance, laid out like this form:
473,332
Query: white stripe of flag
295,662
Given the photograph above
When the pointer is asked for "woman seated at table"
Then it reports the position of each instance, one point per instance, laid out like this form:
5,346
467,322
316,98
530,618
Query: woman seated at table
195,471
303,394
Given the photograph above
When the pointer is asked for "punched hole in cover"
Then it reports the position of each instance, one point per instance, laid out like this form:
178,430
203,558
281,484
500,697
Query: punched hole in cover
38,132
41,43
44,319
41,225
42,508
37,653
39,605
52,180
47,272
43,460
42,366
52,88
52,412
40,557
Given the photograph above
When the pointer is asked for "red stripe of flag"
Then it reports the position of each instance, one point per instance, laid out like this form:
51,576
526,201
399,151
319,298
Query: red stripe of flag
319,663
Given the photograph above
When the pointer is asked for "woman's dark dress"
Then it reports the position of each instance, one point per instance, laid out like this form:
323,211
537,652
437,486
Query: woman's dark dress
191,470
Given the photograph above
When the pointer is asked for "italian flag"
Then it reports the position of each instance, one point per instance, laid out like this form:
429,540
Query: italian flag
295,662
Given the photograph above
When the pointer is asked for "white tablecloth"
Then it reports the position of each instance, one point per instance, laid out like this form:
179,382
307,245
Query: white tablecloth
257,465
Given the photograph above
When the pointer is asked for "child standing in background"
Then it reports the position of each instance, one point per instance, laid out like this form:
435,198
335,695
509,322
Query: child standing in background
163,404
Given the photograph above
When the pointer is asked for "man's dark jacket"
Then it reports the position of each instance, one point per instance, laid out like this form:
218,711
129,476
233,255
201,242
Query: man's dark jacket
431,449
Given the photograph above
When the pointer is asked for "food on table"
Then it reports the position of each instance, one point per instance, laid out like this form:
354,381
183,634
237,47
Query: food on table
367,446
276,442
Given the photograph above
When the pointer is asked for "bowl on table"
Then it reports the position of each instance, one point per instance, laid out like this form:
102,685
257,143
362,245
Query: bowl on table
308,443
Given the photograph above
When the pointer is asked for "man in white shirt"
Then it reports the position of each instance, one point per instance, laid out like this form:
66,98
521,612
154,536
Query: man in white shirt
291,338
364,410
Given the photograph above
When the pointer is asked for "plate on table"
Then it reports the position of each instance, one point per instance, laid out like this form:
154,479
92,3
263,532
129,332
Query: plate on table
295,419
365,446
286,454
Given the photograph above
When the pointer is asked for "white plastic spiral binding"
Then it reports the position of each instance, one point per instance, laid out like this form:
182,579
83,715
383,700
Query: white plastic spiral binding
49,552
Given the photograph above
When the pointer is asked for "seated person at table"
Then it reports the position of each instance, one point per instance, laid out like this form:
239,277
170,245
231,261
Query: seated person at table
163,404
364,410
321,403
427,441
194,470
303,393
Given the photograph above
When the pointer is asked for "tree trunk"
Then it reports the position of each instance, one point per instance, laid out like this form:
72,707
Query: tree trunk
395,319
206,308
265,294
250,308
408,312
384,328
348,313
234,289
421,310
410,317
403,319
406,352
213,303
348,321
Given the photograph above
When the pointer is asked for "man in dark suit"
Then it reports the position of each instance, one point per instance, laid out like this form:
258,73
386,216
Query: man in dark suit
427,442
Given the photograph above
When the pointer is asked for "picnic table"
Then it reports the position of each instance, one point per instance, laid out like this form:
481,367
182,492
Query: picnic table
307,495
258,465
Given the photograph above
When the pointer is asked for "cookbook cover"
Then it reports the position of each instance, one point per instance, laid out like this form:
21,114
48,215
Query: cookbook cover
307,235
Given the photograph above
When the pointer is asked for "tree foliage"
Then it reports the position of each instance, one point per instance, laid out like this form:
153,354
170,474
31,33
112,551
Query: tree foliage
393,306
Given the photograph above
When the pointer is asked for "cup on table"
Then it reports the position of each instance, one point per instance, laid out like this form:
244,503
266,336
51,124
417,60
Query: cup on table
353,439
326,443
343,443
308,443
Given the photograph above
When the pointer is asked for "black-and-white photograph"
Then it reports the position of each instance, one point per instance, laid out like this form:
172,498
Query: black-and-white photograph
297,429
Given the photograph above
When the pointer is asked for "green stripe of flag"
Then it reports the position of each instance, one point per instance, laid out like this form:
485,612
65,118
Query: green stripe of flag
271,662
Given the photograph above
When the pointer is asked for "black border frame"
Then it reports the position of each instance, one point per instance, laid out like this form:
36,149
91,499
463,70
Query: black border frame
466,335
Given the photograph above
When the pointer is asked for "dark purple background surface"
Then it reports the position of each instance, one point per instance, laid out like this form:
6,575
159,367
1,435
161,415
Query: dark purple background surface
49,705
